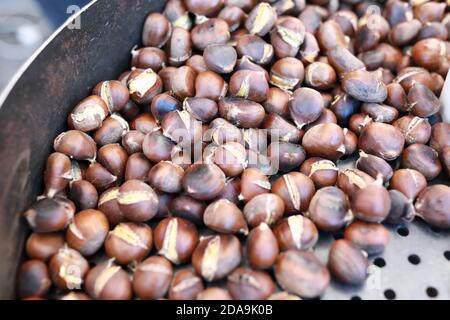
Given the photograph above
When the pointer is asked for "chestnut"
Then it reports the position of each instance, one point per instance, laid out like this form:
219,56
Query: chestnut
132,141
281,129
277,101
305,106
347,263
408,181
243,113
264,208
372,238
296,232
109,205
262,247
408,76
185,285
162,104
214,293
83,194
351,180
89,114
309,49
181,128
210,85
330,209
321,171
261,19
426,53
397,97
220,58
216,256
344,107
231,191
179,46
57,174
137,167
432,205
344,61
247,284
152,278
402,209
380,112
296,190
114,93
287,155
212,31
374,166
111,131
175,238
202,8
68,269
287,36
144,84
137,201
202,109
422,158
373,140
324,140
164,199
221,131
404,32
255,48
156,31
33,279
287,73
330,35
414,129
157,147
249,84
301,273
320,76
253,183
166,176
423,102
245,63
113,158
129,242
88,231
50,214
203,181
188,208
107,281
440,136
364,86
350,142
42,246
76,144
225,217
234,16
371,204
445,159
149,57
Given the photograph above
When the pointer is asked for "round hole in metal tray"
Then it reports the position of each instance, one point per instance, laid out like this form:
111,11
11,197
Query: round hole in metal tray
432,292
390,294
403,231
379,262
435,230
447,255
414,259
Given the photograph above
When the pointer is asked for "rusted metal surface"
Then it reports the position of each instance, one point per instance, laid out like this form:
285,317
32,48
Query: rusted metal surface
35,110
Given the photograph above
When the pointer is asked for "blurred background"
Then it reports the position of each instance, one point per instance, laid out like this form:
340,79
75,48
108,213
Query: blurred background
24,26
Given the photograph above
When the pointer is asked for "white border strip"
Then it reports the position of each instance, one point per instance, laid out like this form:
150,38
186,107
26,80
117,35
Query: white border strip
4,94
445,99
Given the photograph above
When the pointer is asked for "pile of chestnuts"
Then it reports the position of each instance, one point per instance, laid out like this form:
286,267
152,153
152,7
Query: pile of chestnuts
215,158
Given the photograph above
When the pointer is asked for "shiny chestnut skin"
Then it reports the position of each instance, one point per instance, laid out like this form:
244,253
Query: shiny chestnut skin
57,174
373,140
50,214
249,84
68,269
220,58
137,201
225,217
149,57
372,238
255,48
320,76
112,130
301,273
202,109
261,19
166,176
42,246
185,285
262,247
287,73
109,205
129,242
432,205
175,238
321,171
408,181
157,147
397,97
329,209
371,204
264,208
137,167
305,106
374,166
76,144
351,180
203,181
277,101
162,104
364,86
296,232
33,279
212,31
347,263
107,281
152,277
188,208
281,129
132,141
144,123
89,114
296,190
426,53
216,256
402,209
422,158
325,141
415,129
114,94
440,136
253,182
230,157
113,157
344,61
380,112
247,284
344,106
287,155
87,231
144,84
156,31
423,102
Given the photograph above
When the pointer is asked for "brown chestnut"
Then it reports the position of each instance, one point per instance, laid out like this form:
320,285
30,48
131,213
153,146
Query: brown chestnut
422,158
152,278
57,174
321,171
157,29
50,214
364,86
432,205
114,93
247,284
203,181
305,106
33,279
89,114
76,144
371,204
68,269
137,167
374,166
144,84
415,129
137,201
296,190
225,217
372,238
166,176
296,232
262,247
264,208
324,140
261,19
43,246
185,285
382,140
83,194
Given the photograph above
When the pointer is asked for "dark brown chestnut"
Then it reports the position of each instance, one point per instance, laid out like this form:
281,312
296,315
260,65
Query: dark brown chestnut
68,268
137,201
212,31
114,93
181,128
255,48
33,279
364,86
422,158
166,176
157,30
57,174
231,158
137,167
287,155
261,19
296,232
247,284
203,181
382,140
262,247
325,141
144,84
305,106
371,204
249,84
374,166
432,205
225,217
89,114
152,278
109,205
415,129
76,145
296,190
287,73
185,285
179,47
202,109
372,238
264,208
43,246
50,214
321,171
